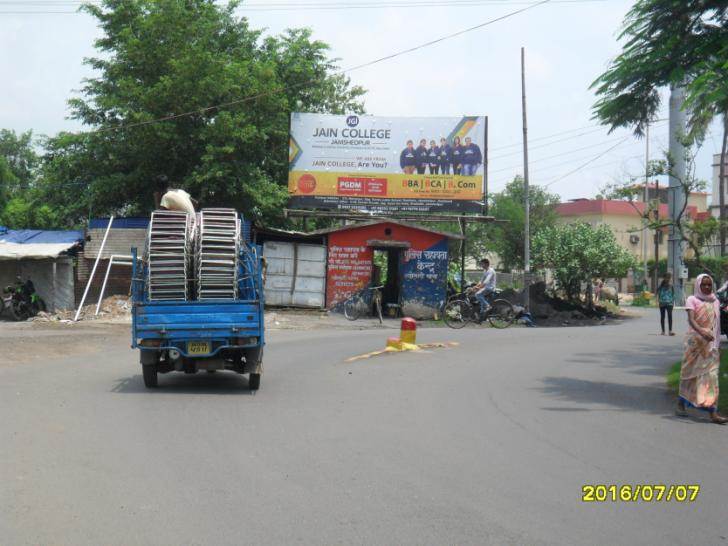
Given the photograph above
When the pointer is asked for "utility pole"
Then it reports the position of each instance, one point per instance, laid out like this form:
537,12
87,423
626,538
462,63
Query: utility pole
526,200
721,185
676,193
645,200
657,237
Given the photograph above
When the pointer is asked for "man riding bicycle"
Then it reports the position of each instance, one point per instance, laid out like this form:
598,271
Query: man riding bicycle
486,287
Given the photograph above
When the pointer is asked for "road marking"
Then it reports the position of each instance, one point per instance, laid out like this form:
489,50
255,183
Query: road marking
421,347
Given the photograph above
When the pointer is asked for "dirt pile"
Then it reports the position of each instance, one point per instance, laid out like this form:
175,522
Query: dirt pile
112,308
550,310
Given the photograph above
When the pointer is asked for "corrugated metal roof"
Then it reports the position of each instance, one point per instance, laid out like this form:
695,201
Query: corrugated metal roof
33,251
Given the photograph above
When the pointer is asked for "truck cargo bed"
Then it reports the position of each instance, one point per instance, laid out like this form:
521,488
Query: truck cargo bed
197,319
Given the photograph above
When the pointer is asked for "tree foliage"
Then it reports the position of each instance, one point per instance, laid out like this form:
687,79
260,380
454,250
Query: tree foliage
578,253
670,43
507,239
174,61
19,166
697,234
666,42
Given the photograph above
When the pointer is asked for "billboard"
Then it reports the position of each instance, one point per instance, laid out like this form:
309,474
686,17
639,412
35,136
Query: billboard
387,164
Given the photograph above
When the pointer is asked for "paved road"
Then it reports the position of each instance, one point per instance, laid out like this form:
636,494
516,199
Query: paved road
486,443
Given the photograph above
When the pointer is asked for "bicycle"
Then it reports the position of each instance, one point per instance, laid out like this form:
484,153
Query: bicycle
355,305
464,307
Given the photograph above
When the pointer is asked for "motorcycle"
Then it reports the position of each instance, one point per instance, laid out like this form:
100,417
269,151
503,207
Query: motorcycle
723,301
21,300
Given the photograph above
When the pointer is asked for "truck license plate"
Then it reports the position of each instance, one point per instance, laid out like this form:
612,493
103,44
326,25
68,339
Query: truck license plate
198,347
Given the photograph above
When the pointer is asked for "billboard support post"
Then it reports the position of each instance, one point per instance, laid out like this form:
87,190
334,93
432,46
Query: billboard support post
485,168
463,226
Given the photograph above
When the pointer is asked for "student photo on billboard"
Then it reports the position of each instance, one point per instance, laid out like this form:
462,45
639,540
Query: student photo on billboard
457,155
408,159
444,156
433,153
472,157
421,156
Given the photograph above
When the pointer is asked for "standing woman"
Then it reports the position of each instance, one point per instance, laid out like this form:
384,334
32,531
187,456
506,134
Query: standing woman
444,157
421,157
457,156
699,370
666,300
432,155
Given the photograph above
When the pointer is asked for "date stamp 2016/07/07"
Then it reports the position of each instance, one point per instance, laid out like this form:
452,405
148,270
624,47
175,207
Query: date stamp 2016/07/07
639,493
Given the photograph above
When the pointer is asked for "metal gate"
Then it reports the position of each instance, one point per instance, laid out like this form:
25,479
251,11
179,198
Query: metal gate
295,274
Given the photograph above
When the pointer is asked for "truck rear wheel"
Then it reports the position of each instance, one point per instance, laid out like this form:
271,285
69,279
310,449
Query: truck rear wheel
150,375
254,381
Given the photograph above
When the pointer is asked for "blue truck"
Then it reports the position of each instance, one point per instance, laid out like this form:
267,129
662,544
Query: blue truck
210,335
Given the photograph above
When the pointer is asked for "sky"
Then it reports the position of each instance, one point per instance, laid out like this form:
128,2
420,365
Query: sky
567,43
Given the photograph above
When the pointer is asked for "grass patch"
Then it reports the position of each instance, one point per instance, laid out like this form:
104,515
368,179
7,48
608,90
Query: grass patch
611,307
673,381
643,299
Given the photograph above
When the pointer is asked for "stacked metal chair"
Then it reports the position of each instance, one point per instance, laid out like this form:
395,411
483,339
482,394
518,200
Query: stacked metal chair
218,243
168,246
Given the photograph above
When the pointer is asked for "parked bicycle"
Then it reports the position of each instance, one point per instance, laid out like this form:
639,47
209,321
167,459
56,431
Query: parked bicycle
464,307
356,305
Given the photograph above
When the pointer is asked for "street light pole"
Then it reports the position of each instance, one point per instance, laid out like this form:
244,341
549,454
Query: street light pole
676,194
645,199
526,198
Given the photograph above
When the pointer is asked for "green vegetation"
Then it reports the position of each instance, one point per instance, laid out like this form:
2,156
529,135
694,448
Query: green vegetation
158,59
578,253
507,239
678,44
673,381
666,43
643,299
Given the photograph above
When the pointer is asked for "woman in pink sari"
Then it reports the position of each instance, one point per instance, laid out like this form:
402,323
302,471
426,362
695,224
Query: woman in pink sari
699,370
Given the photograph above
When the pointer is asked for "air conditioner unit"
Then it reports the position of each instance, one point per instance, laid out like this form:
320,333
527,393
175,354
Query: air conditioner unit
634,239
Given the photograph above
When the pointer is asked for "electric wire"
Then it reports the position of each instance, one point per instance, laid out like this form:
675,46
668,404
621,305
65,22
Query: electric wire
308,82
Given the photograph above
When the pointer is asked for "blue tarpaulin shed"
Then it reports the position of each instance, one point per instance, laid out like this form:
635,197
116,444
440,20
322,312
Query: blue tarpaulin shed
22,244
35,236
44,257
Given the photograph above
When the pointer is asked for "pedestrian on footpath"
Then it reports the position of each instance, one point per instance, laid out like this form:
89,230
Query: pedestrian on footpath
666,301
701,361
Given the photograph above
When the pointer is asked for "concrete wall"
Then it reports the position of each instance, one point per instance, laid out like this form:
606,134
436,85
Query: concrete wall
422,270
59,294
119,242
119,279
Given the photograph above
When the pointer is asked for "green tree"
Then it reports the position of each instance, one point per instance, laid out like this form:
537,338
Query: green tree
171,60
507,239
18,176
19,157
8,182
577,253
670,43
696,234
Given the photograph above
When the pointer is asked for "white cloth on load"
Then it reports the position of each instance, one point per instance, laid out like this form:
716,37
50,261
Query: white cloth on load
178,200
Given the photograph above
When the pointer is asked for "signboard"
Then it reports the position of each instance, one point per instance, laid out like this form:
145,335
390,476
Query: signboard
387,164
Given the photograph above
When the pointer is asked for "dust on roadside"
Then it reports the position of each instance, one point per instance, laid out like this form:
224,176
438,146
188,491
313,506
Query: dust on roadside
27,342
117,310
